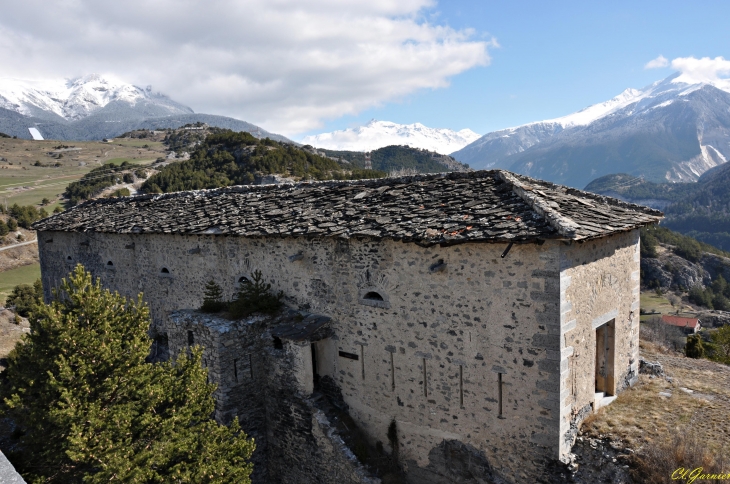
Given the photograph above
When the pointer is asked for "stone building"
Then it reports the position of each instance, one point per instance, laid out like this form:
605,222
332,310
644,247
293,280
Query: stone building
462,325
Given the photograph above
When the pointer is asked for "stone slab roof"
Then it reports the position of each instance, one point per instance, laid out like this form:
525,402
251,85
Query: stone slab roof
488,206
296,326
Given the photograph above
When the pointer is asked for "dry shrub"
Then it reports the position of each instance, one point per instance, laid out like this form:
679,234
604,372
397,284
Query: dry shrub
592,417
658,461
664,335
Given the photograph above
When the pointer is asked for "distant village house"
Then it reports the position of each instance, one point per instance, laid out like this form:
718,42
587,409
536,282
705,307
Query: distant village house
689,325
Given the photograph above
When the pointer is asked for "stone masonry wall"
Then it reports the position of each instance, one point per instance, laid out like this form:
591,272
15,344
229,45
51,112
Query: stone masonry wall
475,325
295,442
231,352
599,283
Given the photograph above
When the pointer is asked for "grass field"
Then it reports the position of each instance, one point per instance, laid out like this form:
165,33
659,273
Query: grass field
140,143
21,275
652,302
24,183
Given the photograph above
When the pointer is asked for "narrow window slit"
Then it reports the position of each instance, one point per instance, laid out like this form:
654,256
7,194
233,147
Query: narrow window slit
191,338
499,380
362,360
392,373
425,382
250,365
461,385
235,369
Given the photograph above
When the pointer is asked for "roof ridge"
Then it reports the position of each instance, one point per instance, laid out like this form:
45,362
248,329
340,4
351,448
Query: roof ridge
565,226
578,193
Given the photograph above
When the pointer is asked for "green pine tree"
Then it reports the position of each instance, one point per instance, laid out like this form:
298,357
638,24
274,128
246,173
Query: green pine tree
25,297
721,344
89,409
255,297
212,298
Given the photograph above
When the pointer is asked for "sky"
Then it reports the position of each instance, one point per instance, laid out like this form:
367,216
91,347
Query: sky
300,67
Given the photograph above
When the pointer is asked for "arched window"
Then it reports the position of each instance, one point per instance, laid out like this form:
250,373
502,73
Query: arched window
165,270
243,280
375,298
110,264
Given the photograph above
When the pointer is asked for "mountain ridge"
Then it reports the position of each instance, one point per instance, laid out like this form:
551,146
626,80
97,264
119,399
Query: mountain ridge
93,108
378,134
667,131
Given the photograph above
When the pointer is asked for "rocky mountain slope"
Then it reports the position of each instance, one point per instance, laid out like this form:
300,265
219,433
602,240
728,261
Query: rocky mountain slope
94,107
673,130
76,99
377,134
676,263
701,209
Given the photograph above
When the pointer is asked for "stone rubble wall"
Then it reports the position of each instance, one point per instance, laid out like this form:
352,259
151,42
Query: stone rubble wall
227,346
462,316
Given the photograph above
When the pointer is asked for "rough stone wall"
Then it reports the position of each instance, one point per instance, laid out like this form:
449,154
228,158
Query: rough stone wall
303,446
295,442
599,283
461,316
232,353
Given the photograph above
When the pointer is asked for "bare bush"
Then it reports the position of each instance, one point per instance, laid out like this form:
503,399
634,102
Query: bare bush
674,300
678,458
665,335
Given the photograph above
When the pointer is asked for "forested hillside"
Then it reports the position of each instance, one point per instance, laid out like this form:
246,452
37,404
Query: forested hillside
700,209
101,178
394,158
229,158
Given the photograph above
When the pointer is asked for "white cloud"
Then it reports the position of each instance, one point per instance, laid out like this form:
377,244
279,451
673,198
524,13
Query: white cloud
657,63
284,64
693,70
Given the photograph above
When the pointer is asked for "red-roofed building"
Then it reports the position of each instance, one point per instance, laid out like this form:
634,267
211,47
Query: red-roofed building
690,325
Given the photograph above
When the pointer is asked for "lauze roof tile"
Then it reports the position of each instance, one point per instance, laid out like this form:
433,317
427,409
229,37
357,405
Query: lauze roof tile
489,206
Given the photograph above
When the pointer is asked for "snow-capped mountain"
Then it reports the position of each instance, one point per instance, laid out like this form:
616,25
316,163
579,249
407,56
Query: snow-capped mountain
74,99
672,130
96,107
377,134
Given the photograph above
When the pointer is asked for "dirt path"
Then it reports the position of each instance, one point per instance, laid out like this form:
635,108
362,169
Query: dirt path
18,245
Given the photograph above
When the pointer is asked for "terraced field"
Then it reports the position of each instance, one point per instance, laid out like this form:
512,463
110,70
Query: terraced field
33,170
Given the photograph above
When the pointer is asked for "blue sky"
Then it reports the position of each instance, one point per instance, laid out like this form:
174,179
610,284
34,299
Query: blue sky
554,58
300,67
